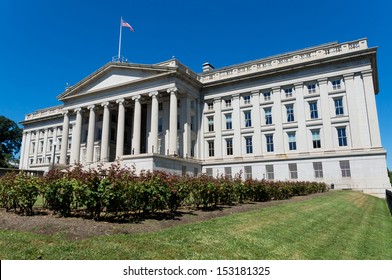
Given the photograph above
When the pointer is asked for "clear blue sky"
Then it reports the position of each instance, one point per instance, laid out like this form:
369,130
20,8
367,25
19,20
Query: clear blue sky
46,44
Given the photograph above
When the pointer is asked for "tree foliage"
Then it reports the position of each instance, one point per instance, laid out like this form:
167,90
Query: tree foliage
10,141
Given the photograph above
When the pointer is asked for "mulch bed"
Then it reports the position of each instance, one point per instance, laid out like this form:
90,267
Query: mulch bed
74,228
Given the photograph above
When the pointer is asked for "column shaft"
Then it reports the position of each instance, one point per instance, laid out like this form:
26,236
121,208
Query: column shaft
120,128
90,135
76,136
173,122
105,132
136,126
64,141
154,123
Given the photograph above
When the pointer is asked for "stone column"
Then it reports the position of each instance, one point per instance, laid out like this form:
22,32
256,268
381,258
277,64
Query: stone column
236,124
326,130
154,123
173,121
136,125
256,123
76,136
301,135
218,127
368,86
277,119
120,128
36,147
64,141
45,146
105,132
90,135
186,135
23,151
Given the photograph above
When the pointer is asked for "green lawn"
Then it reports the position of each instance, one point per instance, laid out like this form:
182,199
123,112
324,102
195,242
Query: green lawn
337,225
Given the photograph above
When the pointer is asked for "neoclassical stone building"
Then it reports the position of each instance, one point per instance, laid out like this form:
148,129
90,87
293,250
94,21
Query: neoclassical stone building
305,115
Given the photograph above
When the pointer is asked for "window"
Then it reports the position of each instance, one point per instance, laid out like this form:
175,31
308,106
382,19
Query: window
229,124
267,96
342,137
229,146
336,84
211,151
270,171
209,171
316,139
292,142
318,169
345,168
339,106
270,142
268,115
183,170
228,103
160,121
178,122
193,144
311,88
248,172
192,104
290,112
32,147
160,106
41,146
193,123
210,105
313,110
293,171
249,146
195,171
228,172
159,148
288,92
246,99
210,123
248,118
49,148
178,103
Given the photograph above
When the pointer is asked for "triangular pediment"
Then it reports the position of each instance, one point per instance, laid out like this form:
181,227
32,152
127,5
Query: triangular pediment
113,75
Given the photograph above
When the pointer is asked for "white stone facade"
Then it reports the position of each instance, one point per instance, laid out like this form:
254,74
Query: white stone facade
306,115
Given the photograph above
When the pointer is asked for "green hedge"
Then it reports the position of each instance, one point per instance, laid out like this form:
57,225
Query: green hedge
118,192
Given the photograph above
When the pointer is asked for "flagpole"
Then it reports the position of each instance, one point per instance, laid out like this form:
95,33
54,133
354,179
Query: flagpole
119,42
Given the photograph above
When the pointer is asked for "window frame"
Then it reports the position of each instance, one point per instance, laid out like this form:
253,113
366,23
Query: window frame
292,144
269,140
290,112
342,136
313,110
248,144
248,118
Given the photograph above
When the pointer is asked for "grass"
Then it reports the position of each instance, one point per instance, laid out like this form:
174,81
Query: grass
338,225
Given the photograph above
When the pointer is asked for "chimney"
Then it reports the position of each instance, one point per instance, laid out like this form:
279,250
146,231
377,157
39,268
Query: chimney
207,67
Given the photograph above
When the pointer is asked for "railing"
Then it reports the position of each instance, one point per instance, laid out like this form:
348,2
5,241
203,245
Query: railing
283,60
37,173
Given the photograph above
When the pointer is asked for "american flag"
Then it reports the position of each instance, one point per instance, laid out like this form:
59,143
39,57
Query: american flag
126,24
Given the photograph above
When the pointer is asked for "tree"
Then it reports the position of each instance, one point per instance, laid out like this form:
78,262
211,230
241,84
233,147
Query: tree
10,141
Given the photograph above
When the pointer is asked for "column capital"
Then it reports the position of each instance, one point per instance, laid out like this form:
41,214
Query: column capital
172,90
153,94
298,85
91,107
349,76
255,92
367,73
64,112
77,110
136,98
105,104
322,81
120,101
236,96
